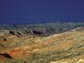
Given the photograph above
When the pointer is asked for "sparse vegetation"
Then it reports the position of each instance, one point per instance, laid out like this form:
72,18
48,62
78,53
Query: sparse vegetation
41,43
46,29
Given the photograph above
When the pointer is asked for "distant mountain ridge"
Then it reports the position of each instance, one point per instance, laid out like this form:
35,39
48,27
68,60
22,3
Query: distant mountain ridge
41,29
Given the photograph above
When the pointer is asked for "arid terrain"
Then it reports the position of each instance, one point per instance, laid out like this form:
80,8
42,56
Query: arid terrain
65,47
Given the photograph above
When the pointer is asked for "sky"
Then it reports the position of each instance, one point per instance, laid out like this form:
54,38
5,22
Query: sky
40,11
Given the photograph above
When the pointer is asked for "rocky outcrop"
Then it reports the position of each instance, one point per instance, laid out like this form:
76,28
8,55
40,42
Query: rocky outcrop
6,55
41,29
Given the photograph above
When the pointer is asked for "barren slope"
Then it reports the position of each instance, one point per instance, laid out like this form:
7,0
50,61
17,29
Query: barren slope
67,47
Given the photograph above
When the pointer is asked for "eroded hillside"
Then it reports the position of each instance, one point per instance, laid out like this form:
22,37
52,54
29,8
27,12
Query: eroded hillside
66,47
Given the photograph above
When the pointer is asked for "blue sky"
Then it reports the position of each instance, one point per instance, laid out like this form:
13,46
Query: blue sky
40,11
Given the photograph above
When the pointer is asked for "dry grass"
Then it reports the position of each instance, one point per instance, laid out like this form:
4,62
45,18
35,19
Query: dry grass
58,47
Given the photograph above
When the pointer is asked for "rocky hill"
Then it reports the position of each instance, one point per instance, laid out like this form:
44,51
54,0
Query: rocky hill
40,29
19,46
